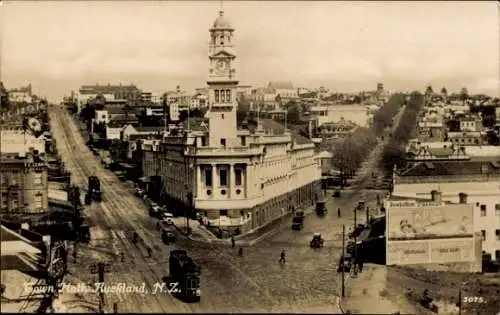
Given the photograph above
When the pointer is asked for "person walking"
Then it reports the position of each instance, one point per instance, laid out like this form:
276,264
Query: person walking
338,213
150,251
233,242
282,257
240,251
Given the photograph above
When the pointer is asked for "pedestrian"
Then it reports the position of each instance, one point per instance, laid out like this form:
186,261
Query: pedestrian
338,213
122,256
233,242
150,251
360,266
282,257
240,252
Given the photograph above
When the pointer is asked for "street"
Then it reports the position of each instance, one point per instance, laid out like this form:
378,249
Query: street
308,282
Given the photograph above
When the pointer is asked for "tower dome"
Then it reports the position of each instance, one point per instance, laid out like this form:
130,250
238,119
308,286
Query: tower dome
221,22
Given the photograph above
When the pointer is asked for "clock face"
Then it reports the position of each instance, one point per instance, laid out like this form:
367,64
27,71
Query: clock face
221,65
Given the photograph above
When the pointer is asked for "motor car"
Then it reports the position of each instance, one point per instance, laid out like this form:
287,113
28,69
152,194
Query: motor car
297,223
139,192
317,241
321,207
167,217
168,236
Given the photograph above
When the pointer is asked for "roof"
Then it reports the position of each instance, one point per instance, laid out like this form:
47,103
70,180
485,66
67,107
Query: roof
279,129
441,152
325,155
265,90
195,124
122,117
150,129
283,85
451,168
221,22
107,88
114,110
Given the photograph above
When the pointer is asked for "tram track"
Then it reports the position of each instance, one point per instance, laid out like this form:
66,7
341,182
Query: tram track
111,222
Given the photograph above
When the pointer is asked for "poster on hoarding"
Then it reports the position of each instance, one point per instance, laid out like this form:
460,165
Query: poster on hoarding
407,252
430,251
429,221
452,250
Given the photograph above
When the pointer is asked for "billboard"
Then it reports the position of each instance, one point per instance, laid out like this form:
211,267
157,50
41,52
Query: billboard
410,220
430,251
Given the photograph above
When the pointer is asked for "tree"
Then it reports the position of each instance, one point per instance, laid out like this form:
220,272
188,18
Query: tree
429,90
243,109
293,112
444,91
464,94
4,98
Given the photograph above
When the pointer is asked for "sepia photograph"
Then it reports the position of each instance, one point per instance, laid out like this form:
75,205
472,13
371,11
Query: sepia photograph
295,157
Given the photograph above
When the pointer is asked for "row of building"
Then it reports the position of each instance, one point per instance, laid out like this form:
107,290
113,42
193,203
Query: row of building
456,167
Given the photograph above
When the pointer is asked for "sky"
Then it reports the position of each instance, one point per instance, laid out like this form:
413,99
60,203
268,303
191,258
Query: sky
344,46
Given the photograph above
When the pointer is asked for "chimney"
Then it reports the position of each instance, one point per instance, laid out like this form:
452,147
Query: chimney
462,197
436,195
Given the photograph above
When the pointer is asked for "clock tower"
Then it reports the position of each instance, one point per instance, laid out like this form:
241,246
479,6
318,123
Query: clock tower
222,85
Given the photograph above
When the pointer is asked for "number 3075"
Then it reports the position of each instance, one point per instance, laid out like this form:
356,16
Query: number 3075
473,299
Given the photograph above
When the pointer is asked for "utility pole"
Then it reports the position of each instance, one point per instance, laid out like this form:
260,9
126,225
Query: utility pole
355,216
342,260
189,209
100,269
459,304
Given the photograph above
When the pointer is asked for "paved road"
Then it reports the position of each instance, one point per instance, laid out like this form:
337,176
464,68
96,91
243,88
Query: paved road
255,283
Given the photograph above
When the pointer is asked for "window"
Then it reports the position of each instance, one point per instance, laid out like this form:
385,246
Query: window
497,209
13,179
38,201
228,96
223,213
244,142
238,176
483,210
483,233
37,178
497,255
223,177
217,96
14,202
223,142
208,177
222,116
497,233
4,200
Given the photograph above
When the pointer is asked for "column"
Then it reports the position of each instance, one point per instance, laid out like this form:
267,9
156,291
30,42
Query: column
215,179
246,174
232,181
198,181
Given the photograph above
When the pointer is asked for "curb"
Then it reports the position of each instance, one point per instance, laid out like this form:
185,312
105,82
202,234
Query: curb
244,243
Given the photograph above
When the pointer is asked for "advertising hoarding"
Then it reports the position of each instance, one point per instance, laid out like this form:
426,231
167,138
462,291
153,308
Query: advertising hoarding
430,251
412,220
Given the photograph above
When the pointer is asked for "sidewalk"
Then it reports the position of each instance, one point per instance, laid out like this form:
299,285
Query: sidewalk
200,234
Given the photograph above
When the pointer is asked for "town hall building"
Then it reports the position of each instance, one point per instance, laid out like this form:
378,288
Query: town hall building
241,176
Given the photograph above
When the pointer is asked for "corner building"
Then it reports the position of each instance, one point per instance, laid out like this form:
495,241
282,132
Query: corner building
250,174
